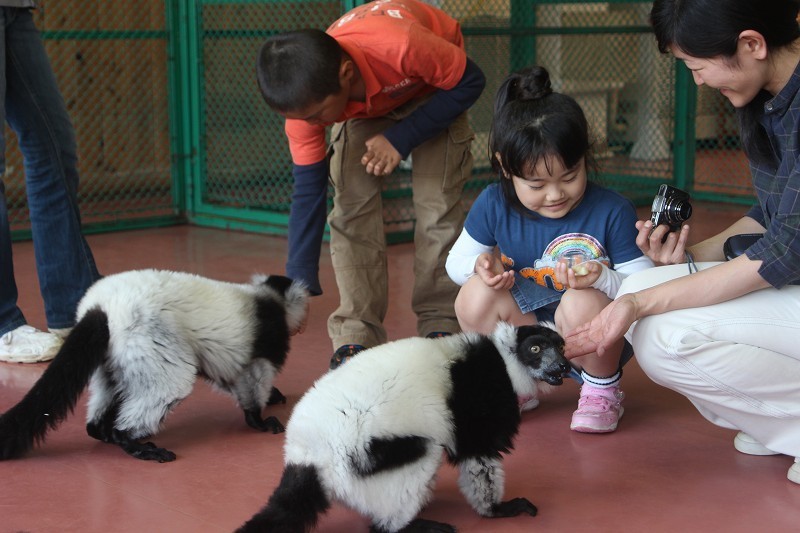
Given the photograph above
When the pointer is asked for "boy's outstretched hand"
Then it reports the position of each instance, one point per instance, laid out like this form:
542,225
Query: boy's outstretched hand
381,158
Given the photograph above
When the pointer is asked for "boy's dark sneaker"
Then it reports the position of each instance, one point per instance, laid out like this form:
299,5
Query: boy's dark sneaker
437,334
345,353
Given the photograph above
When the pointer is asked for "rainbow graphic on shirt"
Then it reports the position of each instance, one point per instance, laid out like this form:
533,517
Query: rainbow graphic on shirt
543,270
573,242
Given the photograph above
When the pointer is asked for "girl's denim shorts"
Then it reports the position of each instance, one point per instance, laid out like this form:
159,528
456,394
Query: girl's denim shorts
542,302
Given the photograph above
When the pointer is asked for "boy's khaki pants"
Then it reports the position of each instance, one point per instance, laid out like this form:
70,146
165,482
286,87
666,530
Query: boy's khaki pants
441,166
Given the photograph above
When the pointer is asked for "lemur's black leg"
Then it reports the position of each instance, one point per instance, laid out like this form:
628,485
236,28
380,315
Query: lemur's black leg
514,507
420,525
141,450
254,420
104,430
482,485
275,396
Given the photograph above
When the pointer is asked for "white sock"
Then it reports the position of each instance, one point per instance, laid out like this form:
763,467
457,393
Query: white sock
601,383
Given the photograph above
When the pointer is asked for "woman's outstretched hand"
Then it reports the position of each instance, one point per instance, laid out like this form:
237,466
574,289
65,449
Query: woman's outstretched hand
606,328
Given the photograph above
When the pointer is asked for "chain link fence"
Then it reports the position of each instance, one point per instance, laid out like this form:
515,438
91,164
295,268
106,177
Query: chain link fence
171,126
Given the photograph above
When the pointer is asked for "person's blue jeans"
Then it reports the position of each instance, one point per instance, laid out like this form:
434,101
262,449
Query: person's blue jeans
36,112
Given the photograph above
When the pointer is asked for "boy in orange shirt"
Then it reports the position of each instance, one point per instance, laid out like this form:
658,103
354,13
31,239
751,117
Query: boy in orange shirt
394,80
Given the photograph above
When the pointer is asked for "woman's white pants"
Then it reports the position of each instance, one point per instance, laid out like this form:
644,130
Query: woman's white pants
738,362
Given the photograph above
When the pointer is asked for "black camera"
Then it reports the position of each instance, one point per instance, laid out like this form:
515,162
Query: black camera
671,207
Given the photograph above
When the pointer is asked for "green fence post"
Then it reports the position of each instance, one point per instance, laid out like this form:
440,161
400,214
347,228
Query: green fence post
177,76
192,105
523,40
683,150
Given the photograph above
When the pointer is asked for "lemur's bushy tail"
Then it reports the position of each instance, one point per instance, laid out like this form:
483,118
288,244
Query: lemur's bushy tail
295,505
54,395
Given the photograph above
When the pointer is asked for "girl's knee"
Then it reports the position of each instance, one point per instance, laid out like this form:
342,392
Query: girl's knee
469,306
579,306
479,308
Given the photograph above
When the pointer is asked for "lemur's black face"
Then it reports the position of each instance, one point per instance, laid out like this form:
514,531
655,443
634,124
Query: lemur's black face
542,350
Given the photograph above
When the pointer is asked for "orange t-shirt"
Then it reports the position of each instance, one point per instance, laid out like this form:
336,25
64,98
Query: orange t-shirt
403,49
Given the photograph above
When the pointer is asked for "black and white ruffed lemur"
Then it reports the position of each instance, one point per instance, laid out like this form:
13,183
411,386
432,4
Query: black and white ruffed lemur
141,339
370,434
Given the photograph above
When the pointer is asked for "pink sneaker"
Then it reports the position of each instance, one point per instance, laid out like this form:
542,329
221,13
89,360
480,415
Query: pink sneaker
599,410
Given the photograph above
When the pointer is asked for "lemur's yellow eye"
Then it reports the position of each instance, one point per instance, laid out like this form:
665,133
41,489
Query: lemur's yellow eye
535,349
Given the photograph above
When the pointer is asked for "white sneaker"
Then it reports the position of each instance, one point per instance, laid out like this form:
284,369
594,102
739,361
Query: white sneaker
27,344
794,471
747,444
61,332
527,403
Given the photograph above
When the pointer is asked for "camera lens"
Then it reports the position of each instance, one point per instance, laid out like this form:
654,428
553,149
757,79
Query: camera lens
677,211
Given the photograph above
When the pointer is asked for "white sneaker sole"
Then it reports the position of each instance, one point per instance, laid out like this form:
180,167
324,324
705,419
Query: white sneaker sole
746,444
27,358
598,429
529,405
794,472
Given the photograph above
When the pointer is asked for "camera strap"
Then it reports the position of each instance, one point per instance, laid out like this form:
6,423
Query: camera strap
690,262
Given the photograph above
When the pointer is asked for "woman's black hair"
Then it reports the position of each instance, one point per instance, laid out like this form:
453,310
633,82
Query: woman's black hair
298,68
532,123
711,28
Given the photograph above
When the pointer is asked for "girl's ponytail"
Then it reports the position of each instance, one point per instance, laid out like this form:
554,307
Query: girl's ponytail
525,85
534,83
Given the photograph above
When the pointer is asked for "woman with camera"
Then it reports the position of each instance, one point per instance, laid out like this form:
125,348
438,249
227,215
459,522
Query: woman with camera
725,336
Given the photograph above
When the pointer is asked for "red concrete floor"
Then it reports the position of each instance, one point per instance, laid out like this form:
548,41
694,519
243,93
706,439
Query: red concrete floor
665,469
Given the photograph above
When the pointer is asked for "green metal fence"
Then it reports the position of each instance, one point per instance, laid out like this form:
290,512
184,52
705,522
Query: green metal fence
171,127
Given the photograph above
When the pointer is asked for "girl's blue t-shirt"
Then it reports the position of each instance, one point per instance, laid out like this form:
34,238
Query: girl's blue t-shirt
602,226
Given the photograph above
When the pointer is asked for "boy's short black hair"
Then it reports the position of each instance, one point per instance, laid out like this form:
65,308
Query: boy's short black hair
298,68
